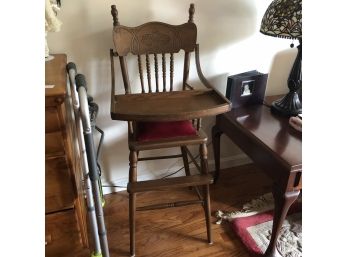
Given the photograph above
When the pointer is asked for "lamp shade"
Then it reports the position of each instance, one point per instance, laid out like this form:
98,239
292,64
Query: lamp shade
283,18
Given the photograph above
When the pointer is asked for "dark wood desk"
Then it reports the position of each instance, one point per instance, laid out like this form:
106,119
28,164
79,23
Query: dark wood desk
274,146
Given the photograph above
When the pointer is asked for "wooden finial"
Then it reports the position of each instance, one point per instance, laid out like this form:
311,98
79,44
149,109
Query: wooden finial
114,14
191,12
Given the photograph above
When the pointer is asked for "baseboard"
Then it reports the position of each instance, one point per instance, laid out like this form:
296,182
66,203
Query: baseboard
227,162
230,161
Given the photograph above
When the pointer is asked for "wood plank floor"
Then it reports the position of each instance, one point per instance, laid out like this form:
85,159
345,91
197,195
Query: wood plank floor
181,231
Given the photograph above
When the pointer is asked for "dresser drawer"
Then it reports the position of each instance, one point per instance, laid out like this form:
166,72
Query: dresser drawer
62,236
52,120
54,144
63,179
59,193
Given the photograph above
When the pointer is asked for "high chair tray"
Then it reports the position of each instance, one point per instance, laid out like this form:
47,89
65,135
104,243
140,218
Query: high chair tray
169,106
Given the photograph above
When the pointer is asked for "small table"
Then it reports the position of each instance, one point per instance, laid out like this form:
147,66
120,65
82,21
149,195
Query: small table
274,146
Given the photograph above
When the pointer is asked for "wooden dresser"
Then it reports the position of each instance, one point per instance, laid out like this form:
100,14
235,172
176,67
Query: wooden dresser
65,219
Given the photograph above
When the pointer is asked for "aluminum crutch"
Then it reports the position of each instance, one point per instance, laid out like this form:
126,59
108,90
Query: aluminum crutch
92,218
81,87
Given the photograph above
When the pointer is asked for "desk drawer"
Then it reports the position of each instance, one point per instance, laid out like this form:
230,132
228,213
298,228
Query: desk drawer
59,193
62,236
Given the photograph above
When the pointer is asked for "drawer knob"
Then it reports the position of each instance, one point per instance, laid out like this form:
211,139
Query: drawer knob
59,100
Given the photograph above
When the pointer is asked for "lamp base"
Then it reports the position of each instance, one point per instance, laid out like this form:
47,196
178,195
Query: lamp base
287,106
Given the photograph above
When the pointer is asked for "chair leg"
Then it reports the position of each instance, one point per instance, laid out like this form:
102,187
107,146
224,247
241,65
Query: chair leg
204,167
133,158
207,212
185,160
132,198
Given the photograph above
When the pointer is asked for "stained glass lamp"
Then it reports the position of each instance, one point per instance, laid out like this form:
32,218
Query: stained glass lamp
283,18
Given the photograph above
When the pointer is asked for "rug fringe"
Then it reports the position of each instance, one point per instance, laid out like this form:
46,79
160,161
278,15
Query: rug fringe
261,204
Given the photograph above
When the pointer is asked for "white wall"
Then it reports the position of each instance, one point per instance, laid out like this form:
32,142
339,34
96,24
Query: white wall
230,43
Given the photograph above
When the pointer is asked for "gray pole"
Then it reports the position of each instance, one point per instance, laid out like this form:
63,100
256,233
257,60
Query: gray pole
71,68
92,161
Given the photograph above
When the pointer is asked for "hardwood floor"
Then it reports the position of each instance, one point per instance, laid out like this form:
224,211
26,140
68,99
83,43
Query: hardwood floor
181,231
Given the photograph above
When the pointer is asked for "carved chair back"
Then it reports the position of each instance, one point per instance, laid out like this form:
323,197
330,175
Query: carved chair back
153,43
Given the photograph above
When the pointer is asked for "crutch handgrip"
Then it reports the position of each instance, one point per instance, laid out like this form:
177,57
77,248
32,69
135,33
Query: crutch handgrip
80,81
70,66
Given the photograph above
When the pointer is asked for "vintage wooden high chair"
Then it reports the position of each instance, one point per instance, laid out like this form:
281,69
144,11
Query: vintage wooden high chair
163,118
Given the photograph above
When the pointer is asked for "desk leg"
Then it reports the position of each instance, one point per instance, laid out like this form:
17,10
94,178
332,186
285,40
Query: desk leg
216,134
282,203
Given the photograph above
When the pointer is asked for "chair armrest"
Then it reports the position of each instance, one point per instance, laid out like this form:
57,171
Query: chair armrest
203,79
199,70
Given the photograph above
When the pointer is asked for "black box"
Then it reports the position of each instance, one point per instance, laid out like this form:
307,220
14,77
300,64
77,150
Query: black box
246,88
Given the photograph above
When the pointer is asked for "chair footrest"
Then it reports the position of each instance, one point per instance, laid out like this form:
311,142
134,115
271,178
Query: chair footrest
169,183
169,205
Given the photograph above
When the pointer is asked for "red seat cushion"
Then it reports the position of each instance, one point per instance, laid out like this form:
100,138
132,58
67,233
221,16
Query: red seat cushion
159,130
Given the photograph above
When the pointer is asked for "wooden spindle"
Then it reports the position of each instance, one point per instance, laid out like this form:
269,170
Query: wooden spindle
164,71
203,150
199,124
130,127
141,74
112,75
125,76
156,72
191,12
148,71
171,70
114,14
186,69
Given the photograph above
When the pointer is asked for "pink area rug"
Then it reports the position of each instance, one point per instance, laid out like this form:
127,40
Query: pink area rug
253,226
